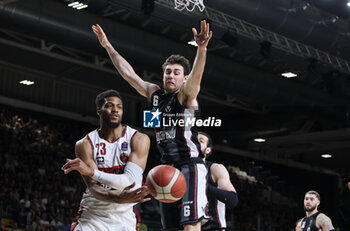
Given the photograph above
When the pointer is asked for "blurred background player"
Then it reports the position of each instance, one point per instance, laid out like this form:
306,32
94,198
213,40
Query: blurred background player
178,145
314,220
120,153
220,191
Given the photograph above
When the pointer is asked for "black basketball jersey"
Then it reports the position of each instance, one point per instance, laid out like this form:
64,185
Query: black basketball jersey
216,209
177,137
309,223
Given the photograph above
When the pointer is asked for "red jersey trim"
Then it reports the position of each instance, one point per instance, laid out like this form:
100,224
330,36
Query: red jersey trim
111,142
133,136
118,169
92,146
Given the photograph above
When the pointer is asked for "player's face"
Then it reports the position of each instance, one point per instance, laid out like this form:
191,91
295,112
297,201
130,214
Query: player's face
112,111
203,140
310,202
173,77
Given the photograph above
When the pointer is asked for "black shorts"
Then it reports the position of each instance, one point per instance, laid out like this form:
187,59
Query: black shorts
192,207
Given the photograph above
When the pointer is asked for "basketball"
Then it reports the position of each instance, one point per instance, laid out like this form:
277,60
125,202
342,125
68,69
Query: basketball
166,183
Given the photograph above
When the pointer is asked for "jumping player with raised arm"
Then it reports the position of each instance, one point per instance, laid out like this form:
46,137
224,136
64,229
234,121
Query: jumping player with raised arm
178,145
314,220
111,160
220,191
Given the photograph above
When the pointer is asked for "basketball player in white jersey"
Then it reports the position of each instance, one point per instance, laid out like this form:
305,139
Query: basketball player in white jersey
111,160
220,191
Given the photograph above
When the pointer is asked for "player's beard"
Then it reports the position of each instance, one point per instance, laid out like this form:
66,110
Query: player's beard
309,209
113,124
107,121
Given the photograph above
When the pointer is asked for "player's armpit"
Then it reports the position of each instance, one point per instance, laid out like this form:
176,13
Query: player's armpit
324,222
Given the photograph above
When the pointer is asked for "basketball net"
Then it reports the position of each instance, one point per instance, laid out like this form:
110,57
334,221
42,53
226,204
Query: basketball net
189,5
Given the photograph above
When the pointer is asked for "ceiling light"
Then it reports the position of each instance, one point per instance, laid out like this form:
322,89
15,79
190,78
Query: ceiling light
326,156
77,5
259,140
82,7
73,4
348,4
289,74
26,82
192,42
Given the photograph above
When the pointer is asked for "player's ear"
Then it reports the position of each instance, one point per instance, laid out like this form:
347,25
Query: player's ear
207,150
98,111
185,78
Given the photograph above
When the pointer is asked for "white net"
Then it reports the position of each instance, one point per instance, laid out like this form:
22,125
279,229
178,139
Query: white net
190,5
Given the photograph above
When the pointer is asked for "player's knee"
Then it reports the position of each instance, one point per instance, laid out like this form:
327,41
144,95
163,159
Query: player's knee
192,227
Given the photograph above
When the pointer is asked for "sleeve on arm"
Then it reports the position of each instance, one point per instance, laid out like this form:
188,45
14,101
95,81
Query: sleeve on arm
132,173
228,197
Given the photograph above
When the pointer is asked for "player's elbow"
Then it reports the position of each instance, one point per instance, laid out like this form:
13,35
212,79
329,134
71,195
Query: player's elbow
232,200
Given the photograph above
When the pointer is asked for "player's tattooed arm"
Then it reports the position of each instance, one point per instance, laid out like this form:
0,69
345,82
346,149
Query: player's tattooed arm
298,226
324,222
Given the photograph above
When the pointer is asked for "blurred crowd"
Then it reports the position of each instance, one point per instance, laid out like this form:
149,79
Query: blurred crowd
34,193
256,211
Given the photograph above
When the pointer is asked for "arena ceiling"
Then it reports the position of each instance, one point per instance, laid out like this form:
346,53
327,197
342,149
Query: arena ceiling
254,42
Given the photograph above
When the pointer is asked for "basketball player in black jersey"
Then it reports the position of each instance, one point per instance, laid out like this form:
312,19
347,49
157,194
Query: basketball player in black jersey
314,220
220,191
177,144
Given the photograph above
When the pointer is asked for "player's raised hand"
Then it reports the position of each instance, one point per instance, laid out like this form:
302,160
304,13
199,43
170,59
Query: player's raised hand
78,165
132,196
102,38
202,39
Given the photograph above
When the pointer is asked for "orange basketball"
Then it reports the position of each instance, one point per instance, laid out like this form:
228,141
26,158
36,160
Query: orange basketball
166,183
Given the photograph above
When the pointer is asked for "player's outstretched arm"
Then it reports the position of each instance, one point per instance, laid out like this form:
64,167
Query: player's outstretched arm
324,223
145,88
85,163
133,169
192,85
225,192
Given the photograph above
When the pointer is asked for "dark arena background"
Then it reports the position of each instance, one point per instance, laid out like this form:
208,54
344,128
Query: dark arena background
275,130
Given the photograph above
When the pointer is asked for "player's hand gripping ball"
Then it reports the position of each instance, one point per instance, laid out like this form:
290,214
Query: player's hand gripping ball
166,183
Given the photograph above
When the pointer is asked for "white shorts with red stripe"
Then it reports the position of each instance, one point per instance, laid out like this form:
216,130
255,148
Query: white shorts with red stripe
93,220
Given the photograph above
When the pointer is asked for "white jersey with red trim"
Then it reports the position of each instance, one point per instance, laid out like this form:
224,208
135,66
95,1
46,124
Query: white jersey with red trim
109,157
